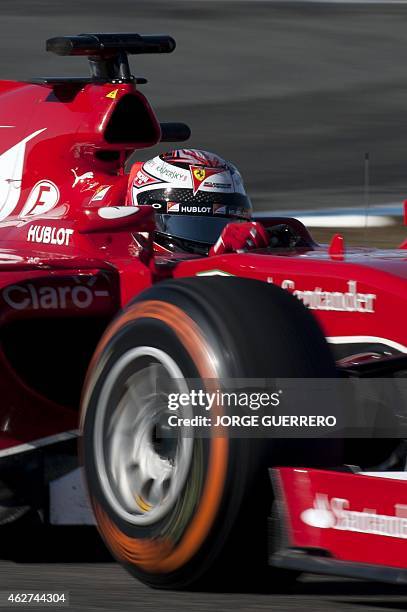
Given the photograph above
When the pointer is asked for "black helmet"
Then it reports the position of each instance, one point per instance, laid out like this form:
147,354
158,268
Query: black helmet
195,195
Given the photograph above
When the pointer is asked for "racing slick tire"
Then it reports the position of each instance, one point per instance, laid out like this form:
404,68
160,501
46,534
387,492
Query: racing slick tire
193,516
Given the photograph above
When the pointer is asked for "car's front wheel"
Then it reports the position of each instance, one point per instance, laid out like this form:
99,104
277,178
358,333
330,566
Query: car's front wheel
188,510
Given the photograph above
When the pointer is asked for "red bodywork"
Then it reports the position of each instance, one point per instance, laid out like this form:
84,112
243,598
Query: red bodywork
344,517
63,149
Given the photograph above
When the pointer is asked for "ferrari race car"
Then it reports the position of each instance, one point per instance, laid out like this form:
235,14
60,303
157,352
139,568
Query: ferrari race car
94,334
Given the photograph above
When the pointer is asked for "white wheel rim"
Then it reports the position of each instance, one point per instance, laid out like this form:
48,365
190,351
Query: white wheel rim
140,483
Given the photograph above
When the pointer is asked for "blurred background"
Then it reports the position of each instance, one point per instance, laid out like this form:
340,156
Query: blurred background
295,93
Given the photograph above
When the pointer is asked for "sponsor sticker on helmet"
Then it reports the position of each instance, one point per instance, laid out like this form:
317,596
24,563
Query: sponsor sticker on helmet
171,173
197,210
214,186
239,212
220,209
172,207
143,179
185,209
200,174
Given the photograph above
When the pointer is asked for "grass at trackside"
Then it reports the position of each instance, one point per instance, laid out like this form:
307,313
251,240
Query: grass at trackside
382,237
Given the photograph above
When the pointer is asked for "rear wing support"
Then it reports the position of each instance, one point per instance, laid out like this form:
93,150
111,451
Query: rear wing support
108,53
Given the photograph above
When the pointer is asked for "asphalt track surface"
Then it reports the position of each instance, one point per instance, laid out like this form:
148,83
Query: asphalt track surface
295,94
74,561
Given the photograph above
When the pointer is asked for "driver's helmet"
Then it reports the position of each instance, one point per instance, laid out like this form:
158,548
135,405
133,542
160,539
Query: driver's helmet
195,195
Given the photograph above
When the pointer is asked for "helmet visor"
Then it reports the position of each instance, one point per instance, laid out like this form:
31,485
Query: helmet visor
196,228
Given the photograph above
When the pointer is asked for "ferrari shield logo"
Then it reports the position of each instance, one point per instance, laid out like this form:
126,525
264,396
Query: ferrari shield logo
200,174
113,94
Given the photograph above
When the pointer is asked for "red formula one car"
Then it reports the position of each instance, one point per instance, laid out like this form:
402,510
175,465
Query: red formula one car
94,330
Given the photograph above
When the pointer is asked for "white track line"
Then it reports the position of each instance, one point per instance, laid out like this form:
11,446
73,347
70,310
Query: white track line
346,221
379,215
382,2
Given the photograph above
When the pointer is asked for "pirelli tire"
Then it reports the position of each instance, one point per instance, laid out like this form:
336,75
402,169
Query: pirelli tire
214,528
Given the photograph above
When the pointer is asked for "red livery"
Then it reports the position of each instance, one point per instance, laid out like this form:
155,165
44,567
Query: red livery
97,327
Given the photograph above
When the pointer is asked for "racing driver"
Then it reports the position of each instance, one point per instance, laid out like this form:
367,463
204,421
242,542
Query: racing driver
200,203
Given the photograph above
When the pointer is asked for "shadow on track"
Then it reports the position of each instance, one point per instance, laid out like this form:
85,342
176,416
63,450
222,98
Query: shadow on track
327,586
382,604
29,541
